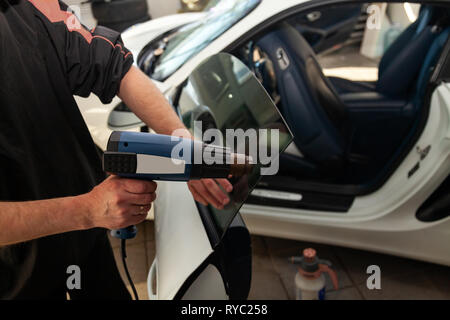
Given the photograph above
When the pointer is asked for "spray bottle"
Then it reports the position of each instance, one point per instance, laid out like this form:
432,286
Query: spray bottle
310,279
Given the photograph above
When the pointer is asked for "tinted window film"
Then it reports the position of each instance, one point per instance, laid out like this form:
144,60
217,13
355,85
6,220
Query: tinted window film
223,93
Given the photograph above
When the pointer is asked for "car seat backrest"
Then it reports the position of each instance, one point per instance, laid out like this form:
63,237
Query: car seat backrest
403,39
398,79
401,62
429,63
424,18
310,104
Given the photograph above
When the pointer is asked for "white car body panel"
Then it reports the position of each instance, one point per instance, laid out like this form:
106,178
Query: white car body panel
208,286
177,225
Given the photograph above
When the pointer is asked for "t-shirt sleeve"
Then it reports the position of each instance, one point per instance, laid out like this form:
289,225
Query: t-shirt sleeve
94,61
98,66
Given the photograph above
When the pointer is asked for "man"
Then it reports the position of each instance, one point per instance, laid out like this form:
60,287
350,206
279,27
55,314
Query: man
54,204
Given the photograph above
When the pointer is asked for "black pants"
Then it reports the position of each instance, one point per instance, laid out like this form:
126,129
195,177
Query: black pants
89,250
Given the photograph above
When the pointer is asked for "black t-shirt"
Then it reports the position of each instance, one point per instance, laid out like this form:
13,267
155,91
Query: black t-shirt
46,150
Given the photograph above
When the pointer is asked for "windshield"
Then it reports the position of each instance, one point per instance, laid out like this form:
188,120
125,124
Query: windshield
192,38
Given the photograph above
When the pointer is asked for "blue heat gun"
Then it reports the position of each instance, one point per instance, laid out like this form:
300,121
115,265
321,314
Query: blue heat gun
139,155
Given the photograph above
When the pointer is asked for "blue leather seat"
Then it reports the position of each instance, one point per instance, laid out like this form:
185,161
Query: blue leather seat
315,112
311,106
400,63
427,66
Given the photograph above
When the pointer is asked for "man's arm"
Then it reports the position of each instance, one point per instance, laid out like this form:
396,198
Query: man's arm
142,96
23,221
113,204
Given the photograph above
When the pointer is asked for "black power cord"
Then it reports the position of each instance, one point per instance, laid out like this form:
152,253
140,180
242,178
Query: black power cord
124,256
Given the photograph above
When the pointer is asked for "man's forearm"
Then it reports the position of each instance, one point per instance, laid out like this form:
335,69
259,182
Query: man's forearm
113,204
142,96
23,221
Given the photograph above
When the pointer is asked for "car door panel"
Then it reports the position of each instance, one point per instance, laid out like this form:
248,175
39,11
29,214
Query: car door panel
326,27
181,240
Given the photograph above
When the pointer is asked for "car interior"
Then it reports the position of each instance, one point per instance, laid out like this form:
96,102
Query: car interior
348,135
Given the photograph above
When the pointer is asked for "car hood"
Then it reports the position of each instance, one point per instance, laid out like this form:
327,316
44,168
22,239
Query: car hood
139,35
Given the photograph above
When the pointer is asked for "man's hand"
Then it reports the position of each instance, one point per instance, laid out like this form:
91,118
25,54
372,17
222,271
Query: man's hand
208,191
118,202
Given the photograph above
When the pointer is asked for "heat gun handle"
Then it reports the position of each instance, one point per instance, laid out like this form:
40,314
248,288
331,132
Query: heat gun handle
125,233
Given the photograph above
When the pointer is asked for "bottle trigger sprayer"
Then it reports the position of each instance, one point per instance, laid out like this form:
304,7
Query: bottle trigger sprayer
310,279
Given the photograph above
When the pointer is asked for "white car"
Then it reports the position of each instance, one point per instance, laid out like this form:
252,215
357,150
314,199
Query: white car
369,164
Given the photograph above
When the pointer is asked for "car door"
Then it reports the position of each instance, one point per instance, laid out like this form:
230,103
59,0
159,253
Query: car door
330,26
203,252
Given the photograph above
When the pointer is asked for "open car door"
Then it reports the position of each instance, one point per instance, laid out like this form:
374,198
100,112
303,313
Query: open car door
202,252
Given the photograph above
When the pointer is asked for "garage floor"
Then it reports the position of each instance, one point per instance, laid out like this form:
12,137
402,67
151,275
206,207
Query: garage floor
273,275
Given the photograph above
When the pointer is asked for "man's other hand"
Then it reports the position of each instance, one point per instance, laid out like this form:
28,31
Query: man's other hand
207,191
118,202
